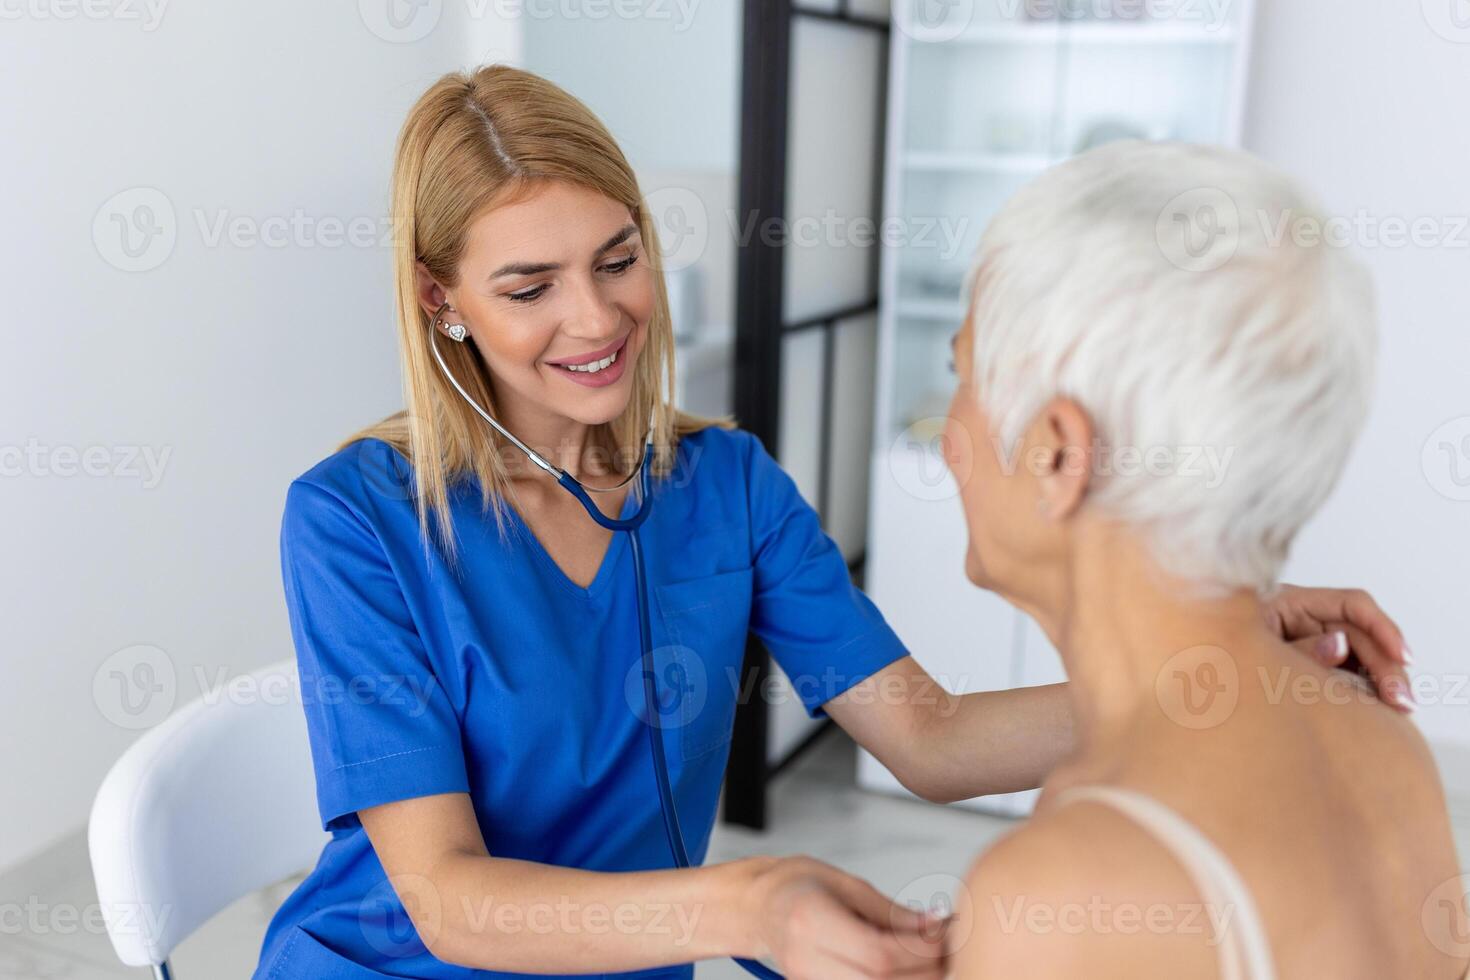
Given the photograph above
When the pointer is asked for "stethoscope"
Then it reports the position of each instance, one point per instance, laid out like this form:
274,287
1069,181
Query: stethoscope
629,525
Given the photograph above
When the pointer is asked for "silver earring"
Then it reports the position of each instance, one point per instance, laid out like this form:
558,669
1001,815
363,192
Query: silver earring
456,331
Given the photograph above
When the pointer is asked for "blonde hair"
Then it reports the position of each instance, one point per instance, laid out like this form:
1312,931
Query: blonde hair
472,141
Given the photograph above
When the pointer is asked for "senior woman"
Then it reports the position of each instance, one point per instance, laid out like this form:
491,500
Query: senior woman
1231,809
468,636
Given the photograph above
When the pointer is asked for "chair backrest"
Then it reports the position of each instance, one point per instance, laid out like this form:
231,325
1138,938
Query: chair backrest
217,801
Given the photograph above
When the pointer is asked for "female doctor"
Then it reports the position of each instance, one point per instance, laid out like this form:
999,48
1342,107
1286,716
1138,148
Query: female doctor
467,637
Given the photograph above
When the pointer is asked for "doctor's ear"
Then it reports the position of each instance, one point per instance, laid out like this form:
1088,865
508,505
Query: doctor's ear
430,294
1062,446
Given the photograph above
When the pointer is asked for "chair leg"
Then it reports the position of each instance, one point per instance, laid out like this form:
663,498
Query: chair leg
162,972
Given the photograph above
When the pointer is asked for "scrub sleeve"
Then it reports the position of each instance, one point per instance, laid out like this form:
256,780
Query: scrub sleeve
381,725
823,631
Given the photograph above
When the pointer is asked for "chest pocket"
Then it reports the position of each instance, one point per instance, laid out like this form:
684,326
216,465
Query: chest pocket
707,620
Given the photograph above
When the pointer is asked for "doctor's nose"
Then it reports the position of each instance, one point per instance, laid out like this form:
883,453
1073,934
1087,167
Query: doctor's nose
592,315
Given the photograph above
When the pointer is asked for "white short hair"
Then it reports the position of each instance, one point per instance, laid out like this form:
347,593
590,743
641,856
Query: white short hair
1178,294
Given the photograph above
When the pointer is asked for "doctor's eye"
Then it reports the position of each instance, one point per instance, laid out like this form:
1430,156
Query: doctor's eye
617,268
952,368
526,296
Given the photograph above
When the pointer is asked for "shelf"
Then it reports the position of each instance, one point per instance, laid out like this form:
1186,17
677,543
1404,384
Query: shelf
1045,33
996,163
940,310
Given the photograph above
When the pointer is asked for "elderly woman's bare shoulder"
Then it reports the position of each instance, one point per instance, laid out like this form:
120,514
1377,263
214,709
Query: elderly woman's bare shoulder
1081,891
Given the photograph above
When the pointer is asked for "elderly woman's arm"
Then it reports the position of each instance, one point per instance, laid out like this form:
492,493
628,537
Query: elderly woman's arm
946,747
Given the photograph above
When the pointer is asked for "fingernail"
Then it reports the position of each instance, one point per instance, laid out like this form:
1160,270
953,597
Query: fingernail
1402,698
1332,646
1407,654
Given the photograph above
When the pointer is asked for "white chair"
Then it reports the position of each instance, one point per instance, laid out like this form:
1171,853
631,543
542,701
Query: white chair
217,801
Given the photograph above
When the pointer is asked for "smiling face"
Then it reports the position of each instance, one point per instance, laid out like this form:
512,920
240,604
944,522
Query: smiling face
556,291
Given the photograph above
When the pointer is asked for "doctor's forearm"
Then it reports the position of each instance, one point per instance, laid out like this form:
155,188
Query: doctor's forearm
946,747
519,916
987,743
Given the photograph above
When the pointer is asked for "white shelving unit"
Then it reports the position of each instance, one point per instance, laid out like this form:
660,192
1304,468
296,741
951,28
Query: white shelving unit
971,119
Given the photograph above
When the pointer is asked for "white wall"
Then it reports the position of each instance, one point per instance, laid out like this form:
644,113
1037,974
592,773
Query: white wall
243,363
1367,103
666,82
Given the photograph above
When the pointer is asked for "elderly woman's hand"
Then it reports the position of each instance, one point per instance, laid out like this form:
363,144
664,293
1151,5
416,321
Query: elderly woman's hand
1346,628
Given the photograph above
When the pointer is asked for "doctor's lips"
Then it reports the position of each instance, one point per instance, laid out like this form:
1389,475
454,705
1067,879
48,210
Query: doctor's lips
596,369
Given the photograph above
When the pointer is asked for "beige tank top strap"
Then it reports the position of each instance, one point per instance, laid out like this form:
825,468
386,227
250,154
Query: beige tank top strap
1245,949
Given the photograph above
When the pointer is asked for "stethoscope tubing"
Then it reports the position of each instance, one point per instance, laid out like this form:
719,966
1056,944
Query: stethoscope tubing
630,527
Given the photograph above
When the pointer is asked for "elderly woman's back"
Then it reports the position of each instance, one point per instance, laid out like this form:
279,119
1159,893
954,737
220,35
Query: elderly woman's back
1234,809
1324,823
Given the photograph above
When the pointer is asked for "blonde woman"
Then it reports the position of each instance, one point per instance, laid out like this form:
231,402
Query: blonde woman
468,637
1232,809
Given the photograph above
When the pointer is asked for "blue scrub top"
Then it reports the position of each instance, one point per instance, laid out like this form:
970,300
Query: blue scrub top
511,683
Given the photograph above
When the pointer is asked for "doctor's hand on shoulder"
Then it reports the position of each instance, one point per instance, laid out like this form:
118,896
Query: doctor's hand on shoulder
821,923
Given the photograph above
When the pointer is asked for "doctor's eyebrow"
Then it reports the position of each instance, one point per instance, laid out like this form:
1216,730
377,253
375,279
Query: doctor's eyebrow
536,268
